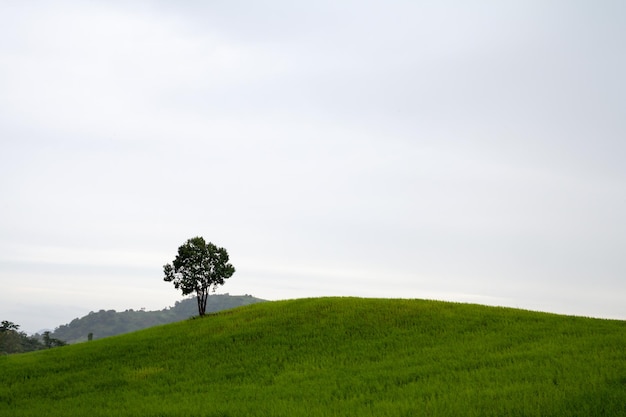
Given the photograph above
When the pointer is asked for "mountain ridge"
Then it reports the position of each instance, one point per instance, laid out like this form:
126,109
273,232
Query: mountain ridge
106,323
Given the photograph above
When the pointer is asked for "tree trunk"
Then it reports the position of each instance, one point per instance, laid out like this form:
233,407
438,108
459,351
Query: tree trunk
202,299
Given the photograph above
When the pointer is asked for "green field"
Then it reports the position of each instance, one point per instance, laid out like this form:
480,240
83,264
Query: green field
334,357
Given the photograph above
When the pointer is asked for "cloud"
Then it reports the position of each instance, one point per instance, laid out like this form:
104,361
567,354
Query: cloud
448,148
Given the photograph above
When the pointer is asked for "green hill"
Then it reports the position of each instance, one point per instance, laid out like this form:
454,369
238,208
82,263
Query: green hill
105,323
334,357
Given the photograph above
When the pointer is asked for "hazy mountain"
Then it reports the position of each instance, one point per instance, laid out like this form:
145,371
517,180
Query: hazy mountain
106,323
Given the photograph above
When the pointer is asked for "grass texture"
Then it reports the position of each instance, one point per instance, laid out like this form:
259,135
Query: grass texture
334,357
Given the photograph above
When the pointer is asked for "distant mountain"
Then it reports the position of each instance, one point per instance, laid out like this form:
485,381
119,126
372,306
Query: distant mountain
111,323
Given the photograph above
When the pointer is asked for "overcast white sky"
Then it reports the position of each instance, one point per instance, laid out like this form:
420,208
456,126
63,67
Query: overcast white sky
453,150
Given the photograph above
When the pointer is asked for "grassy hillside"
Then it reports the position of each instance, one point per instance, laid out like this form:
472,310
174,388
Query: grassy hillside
334,357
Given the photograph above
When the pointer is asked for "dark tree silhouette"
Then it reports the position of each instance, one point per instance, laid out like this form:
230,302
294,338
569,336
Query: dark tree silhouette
198,267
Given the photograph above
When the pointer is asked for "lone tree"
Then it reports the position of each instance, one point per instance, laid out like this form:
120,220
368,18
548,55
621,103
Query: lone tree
198,267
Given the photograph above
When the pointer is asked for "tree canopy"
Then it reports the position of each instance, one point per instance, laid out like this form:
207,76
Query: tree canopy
198,268
14,341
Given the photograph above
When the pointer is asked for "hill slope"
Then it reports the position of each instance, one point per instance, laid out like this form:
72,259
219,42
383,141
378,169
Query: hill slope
110,322
334,357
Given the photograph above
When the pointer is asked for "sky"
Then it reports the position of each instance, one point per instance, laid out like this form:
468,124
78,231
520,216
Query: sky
450,150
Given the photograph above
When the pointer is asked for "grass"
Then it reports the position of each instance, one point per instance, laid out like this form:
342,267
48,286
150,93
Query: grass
334,357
